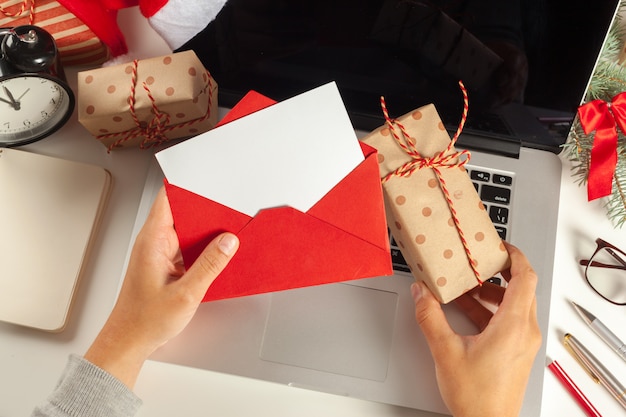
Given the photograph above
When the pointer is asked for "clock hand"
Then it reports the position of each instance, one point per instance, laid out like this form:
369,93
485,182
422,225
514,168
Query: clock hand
19,99
15,104
8,93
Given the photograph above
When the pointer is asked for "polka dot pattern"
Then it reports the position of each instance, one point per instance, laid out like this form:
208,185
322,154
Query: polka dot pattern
423,225
179,88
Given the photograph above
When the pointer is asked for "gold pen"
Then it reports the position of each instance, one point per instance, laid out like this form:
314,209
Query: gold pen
595,369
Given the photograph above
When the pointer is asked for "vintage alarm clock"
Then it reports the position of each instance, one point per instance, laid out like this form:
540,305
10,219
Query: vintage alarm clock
35,100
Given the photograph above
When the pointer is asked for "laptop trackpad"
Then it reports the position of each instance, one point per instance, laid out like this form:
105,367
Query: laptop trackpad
338,328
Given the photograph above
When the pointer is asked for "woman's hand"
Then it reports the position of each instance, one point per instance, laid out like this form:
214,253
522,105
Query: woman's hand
158,297
485,375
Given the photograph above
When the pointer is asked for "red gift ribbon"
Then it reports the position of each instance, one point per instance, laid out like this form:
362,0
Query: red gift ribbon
155,130
603,117
26,4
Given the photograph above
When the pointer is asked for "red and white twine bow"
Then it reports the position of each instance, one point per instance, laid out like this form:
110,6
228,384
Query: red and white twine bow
31,10
154,131
444,159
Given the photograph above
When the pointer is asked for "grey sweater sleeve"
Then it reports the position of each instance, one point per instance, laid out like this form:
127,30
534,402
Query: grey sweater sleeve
86,390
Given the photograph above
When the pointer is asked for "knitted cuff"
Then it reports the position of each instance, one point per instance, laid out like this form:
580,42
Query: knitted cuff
86,390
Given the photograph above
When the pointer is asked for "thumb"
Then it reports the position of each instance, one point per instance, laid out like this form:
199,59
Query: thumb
211,262
430,317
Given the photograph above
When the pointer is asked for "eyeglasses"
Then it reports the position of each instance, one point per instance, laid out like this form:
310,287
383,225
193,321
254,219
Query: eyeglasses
605,272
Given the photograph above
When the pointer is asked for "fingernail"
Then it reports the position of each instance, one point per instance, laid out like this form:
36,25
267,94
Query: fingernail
416,291
228,243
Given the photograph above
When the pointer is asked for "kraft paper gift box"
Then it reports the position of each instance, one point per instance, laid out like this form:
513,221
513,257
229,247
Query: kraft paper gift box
149,101
343,236
420,216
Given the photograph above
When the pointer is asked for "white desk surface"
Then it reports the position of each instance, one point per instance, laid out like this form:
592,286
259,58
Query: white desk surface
31,361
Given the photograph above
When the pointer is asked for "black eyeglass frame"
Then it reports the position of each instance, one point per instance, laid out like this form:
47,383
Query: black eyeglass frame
603,244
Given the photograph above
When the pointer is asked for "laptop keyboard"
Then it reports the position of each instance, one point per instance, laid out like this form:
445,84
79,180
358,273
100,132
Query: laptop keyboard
495,189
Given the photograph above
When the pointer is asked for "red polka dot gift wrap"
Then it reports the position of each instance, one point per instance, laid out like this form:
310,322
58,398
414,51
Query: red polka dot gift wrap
147,102
433,210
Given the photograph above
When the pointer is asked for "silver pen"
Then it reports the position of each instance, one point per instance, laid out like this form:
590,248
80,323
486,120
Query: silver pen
601,330
595,369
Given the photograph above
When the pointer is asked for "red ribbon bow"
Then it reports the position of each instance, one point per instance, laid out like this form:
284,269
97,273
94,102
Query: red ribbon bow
603,117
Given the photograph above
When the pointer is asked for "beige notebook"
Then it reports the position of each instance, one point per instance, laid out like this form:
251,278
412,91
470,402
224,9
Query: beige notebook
50,209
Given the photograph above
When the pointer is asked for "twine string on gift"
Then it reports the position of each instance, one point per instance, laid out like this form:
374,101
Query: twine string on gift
153,132
444,159
26,3
603,117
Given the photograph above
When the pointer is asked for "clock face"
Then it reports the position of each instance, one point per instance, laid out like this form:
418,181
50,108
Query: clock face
31,107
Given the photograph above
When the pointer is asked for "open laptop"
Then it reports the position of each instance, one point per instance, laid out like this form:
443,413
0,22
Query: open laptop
359,338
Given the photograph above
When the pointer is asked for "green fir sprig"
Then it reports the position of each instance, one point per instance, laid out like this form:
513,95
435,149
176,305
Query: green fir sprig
609,79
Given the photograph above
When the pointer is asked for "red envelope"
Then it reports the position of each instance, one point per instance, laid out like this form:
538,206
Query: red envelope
342,237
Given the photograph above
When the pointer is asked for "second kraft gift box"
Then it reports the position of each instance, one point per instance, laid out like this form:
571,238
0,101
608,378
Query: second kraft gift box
147,102
340,236
439,232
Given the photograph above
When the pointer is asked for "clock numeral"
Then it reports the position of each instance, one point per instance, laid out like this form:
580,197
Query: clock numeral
26,122
53,101
44,114
7,125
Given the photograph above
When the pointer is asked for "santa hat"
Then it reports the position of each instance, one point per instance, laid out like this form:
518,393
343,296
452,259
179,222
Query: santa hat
177,21
101,17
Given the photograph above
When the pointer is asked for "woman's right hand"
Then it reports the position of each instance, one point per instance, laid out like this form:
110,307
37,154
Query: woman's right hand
485,375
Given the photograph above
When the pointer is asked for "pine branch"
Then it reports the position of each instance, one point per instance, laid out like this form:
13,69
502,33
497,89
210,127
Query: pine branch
609,79
616,205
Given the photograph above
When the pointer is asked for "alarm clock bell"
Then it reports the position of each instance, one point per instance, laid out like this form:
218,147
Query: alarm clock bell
35,100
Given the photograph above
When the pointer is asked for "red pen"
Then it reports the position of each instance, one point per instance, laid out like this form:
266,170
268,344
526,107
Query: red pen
573,389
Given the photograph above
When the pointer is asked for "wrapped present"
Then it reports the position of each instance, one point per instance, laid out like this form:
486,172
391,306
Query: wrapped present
147,102
76,42
433,210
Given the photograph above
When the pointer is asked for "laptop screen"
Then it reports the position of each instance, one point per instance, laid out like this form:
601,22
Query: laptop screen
511,55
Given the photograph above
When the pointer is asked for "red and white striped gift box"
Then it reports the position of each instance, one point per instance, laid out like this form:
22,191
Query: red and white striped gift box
77,44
